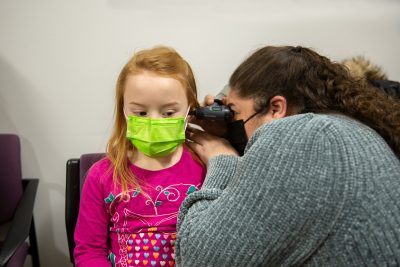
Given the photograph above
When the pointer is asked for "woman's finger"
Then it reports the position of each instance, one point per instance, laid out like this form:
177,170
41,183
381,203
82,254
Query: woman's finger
208,100
224,98
199,136
192,129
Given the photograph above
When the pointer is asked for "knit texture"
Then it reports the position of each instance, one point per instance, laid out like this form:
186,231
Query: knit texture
310,190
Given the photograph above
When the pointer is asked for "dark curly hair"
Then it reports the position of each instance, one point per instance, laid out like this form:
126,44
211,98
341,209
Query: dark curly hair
312,83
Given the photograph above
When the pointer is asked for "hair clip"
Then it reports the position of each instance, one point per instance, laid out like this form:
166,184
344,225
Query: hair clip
297,49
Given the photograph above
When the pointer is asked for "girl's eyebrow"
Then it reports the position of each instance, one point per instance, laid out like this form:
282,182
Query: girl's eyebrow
135,103
170,104
164,105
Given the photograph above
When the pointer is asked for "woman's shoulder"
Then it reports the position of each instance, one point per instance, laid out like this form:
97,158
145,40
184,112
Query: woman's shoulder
310,122
286,127
316,130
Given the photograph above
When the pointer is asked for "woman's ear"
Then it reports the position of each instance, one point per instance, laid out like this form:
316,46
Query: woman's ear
278,107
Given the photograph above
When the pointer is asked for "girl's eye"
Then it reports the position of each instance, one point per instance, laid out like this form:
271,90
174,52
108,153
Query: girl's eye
168,113
140,113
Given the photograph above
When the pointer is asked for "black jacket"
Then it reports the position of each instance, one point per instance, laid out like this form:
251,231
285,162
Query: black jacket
390,87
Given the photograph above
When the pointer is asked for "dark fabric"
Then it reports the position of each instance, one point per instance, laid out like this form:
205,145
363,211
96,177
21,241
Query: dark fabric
10,175
390,87
18,259
72,193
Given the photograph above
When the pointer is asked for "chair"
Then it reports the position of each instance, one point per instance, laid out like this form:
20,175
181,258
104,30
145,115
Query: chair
75,177
17,198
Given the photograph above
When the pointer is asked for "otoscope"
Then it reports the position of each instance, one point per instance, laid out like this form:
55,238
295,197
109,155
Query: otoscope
217,111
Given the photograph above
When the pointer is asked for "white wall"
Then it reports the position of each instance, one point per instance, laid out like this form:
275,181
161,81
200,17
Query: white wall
59,61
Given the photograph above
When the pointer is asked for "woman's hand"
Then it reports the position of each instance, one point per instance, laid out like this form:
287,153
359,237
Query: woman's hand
207,146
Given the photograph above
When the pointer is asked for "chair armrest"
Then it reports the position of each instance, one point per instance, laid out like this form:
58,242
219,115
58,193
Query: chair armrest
21,222
72,197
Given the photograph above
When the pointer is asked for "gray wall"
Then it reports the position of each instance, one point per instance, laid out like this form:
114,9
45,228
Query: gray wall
59,61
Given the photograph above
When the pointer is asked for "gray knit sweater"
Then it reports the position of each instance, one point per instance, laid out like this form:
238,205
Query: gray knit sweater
311,190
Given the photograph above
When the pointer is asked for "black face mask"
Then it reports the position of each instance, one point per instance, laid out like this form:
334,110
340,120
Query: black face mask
236,134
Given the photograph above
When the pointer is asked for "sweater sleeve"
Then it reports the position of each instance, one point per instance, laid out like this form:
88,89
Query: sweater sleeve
280,201
91,232
222,168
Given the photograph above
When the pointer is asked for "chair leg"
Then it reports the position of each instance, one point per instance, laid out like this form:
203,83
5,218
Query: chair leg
33,249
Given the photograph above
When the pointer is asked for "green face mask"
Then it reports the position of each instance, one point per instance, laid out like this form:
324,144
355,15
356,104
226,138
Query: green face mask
156,137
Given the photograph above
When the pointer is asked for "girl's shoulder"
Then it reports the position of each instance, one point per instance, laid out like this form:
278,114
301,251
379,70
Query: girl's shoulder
191,163
100,165
98,180
101,170
189,157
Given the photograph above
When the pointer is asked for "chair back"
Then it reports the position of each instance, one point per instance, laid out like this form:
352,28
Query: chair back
17,198
10,175
76,174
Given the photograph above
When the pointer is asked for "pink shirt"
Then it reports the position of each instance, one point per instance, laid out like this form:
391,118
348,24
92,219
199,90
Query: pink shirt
140,229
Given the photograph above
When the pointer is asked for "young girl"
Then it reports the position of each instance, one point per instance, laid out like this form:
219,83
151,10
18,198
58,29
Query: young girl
131,198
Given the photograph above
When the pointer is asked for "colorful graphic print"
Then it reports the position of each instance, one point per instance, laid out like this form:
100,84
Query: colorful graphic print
145,224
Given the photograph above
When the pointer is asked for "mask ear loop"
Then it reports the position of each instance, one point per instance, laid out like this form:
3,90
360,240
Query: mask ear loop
252,116
187,113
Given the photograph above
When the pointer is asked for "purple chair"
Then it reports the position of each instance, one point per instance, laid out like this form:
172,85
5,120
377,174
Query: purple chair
76,175
17,198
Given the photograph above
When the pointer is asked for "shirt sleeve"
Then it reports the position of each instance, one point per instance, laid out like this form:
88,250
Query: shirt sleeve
279,203
91,232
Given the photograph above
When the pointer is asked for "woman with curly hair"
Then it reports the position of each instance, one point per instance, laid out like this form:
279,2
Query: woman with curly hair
319,181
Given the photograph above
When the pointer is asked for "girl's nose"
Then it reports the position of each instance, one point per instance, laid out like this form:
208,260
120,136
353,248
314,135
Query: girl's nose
155,115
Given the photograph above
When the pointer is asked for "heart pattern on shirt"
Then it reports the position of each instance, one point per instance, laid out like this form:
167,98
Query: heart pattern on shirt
151,249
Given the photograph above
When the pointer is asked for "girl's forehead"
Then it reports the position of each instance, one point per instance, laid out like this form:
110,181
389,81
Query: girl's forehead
152,84
153,89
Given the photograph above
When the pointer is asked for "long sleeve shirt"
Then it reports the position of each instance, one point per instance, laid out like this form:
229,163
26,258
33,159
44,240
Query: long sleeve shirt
137,228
